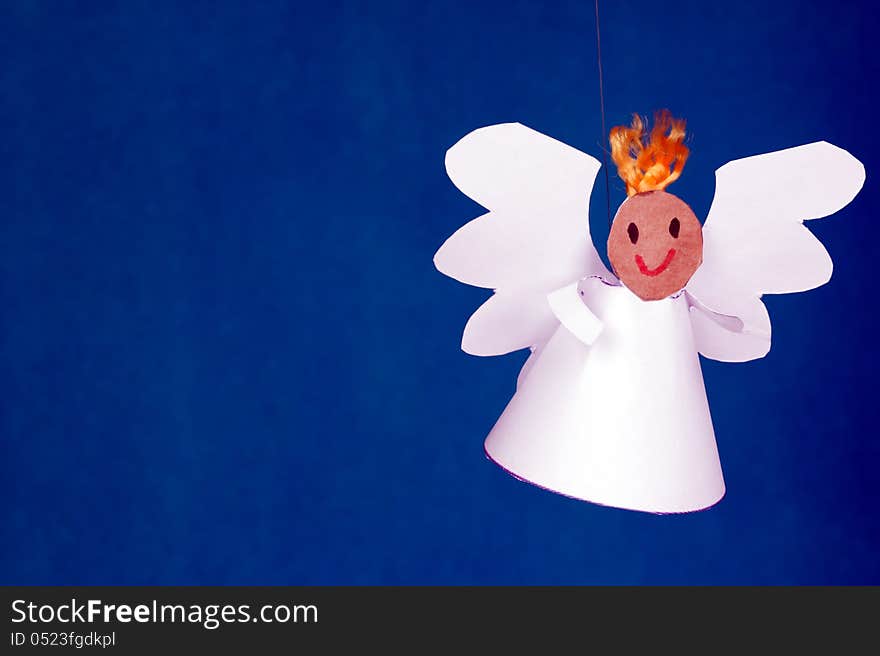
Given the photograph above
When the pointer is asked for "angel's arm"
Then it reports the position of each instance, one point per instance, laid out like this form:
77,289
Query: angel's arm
726,337
569,308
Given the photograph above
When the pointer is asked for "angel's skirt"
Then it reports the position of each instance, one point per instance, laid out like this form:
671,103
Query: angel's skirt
624,422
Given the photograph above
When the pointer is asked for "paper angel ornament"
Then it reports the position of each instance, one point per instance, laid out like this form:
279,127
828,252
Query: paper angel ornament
610,406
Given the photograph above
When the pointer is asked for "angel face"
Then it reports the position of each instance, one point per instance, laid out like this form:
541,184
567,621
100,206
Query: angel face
655,244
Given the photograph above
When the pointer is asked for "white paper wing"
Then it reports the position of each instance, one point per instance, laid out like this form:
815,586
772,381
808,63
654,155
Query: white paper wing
755,242
534,239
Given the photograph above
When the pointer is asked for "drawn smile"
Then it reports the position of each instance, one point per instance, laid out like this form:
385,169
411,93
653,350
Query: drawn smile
660,269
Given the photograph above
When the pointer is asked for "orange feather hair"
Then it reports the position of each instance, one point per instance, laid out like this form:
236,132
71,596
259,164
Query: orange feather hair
649,165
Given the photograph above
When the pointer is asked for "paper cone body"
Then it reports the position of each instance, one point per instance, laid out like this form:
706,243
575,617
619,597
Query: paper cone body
624,422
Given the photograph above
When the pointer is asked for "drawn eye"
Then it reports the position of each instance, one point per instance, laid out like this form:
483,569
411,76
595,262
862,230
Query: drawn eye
674,227
633,232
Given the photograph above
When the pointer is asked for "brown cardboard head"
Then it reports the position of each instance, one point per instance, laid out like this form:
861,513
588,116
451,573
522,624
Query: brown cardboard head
655,244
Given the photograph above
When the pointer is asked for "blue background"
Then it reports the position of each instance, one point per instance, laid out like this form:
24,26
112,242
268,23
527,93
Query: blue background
227,357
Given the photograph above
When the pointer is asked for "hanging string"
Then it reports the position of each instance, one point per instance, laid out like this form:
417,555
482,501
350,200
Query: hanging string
602,113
